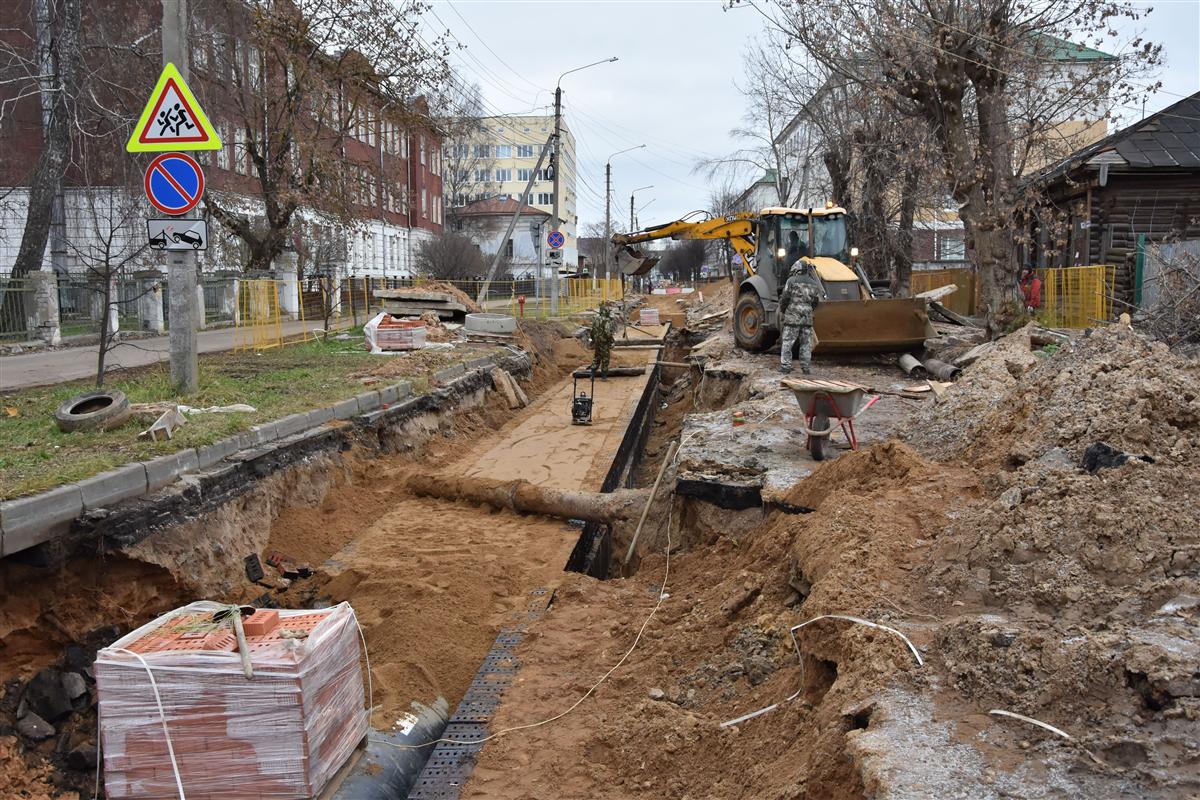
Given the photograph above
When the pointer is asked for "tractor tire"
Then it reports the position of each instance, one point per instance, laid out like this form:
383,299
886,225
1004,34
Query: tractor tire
94,411
750,329
817,444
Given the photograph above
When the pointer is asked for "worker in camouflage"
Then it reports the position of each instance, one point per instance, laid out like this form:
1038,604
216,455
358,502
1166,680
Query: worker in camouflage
602,341
796,303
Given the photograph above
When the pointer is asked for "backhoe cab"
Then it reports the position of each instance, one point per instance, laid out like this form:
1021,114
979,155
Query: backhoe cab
768,243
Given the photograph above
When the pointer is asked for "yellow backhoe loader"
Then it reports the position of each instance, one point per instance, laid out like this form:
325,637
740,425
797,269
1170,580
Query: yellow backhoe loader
767,243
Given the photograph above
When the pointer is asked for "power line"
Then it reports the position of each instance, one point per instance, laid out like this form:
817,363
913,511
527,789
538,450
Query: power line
483,42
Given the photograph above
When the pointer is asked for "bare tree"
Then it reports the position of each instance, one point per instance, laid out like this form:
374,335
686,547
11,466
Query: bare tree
988,78
450,257
304,75
460,117
722,200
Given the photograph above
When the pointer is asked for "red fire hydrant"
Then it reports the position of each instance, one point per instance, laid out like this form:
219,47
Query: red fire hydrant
521,302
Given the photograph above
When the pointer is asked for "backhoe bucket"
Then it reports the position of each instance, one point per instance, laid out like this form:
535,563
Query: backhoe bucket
872,326
634,262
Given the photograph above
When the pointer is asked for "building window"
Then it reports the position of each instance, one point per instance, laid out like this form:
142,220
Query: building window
545,199
523,174
503,175
459,151
482,151
424,204
525,150
223,153
545,174
483,176
508,249
504,151
953,249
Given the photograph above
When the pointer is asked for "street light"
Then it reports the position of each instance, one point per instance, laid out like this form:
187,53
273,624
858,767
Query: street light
554,165
608,203
632,224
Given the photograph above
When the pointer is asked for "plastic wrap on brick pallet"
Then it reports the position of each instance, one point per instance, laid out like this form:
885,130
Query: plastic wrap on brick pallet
649,316
281,734
385,334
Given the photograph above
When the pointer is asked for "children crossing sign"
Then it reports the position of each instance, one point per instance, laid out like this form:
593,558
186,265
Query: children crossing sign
172,119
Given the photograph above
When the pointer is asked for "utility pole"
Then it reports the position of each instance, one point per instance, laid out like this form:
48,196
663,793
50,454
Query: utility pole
181,265
607,213
632,221
555,161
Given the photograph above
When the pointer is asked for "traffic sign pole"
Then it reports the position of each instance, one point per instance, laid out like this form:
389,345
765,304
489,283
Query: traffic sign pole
181,266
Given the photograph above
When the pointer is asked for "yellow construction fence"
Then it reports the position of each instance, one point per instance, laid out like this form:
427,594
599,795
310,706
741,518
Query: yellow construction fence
1077,297
962,301
259,326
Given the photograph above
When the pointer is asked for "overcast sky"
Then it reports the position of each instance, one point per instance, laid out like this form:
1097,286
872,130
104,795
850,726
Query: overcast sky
672,88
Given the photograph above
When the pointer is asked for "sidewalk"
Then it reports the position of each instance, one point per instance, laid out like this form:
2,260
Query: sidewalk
58,366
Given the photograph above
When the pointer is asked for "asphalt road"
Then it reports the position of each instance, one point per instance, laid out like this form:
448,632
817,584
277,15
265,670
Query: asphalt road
73,363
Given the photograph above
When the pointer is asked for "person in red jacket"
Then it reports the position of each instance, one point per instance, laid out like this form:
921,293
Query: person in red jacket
1031,289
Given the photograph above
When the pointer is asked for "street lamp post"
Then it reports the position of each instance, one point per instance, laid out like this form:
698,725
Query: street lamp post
554,165
608,204
632,224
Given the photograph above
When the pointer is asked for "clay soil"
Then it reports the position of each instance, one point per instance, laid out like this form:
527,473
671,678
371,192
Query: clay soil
1028,585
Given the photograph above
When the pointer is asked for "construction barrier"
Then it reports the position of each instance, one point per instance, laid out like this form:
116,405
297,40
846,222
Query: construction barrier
961,301
1077,297
259,324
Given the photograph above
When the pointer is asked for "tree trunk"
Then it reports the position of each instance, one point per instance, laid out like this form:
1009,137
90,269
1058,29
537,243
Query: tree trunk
902,255
106,298
56,138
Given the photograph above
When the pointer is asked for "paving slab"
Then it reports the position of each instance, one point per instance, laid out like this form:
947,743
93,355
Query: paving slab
293,423
217,451
368,401
346,409
319,416
27,521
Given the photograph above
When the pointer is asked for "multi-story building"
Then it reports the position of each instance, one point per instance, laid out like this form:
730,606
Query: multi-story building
497,160
386,164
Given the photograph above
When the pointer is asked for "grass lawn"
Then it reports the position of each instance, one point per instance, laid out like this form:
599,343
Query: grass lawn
35,455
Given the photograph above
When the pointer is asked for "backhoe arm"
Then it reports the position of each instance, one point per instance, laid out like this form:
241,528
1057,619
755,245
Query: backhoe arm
737,229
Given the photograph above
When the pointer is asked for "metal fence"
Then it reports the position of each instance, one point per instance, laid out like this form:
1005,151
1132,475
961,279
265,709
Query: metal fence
961,301
260,324
16,304
1077,297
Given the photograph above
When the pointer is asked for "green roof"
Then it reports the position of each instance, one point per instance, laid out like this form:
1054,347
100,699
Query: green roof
1062,50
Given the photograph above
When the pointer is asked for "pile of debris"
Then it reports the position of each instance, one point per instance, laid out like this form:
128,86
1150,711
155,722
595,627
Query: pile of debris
444,300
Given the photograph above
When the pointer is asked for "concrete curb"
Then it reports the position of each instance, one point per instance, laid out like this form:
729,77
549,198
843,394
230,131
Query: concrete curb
29,521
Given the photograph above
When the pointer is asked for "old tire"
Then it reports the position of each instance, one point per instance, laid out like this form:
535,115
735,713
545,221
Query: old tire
94,411
502,324
750,329
817,444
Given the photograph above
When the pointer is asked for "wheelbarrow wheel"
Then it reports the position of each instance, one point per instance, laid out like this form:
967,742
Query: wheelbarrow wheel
817,444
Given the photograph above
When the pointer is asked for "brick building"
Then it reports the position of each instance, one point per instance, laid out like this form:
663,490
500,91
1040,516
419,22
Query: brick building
387,161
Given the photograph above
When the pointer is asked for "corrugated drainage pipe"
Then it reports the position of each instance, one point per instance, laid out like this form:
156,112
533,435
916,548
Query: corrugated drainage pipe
394,759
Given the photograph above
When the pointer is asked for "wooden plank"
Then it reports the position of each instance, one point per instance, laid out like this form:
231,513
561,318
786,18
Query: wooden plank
500,381
938,293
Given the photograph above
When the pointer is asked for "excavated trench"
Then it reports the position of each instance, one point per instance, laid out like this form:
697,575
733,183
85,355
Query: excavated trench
432,582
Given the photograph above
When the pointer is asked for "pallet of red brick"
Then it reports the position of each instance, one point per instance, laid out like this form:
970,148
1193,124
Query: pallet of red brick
281,734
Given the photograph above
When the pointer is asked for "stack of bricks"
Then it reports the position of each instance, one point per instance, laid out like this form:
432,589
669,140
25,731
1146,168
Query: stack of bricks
281,734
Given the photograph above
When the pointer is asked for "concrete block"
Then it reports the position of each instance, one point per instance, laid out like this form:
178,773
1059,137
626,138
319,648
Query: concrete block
164,470
218,450
260,434
368,401
319,416
293,423
481,362
372,417
388,395
114,486
403,390
346,409
32,520
450,373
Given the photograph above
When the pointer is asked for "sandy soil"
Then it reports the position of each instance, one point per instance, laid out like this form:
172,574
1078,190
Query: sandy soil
1028,584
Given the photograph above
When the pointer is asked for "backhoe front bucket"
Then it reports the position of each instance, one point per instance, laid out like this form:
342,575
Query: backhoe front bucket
872,326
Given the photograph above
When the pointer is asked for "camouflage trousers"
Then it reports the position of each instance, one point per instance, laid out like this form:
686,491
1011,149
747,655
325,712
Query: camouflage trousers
600,358
792,334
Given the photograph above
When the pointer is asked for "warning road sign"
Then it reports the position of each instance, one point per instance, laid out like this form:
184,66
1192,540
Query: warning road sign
555,239
174,183
172,119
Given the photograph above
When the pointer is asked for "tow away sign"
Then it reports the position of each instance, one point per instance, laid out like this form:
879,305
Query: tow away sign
172,119
177,234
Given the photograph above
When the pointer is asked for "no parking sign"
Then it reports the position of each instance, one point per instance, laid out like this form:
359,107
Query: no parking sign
556,240
174,183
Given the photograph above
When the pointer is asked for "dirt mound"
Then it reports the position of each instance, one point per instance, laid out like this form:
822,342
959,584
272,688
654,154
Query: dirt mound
880,465
1113,386
435,331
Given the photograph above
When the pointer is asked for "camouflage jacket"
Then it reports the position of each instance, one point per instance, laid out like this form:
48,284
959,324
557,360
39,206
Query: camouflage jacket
602,332
797,301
